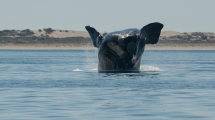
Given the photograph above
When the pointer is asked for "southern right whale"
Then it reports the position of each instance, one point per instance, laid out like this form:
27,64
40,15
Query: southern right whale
122,50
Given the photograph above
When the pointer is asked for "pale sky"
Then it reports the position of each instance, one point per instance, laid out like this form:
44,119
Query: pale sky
109,15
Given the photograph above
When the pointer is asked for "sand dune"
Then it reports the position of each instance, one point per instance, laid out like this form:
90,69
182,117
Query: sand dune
169,33
63,34
71,46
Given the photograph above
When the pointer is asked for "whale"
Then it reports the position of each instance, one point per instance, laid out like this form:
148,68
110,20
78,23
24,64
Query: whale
122,50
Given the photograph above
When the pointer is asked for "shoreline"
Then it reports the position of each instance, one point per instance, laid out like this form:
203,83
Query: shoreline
181,48
90,47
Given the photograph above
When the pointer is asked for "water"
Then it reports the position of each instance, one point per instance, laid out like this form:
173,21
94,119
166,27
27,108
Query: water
65,84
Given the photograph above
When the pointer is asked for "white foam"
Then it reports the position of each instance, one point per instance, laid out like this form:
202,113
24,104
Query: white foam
95,69
149,68
77,70
143,68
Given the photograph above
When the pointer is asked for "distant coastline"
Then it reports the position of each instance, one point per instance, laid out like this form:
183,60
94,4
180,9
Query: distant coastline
89,46
51,39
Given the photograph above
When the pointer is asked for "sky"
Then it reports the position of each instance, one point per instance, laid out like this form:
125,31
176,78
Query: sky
108,15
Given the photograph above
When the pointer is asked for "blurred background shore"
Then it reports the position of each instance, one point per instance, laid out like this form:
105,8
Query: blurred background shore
49,39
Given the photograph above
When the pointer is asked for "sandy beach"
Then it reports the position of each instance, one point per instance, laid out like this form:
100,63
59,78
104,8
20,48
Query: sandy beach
45,47
90,47
180,48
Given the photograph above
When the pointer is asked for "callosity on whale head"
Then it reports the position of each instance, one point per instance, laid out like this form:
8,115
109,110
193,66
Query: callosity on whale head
122,50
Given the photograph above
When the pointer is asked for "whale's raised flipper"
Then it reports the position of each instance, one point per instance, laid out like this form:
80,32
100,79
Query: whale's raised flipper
151,32
95,36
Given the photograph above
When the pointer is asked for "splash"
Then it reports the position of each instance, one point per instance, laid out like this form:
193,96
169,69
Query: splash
95,69
149,68
143,68
91,58
77,69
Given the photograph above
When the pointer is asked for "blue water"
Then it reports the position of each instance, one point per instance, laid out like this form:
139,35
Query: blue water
64,84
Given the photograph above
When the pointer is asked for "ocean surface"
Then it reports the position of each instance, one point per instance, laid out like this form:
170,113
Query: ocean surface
65,85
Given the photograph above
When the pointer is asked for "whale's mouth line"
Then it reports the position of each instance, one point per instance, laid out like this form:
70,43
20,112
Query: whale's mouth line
125,55
113,52
130,49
